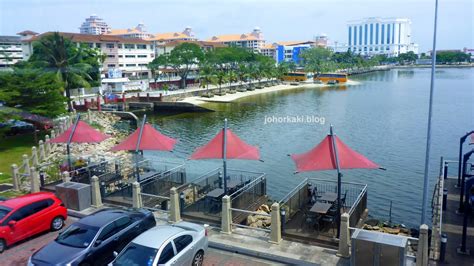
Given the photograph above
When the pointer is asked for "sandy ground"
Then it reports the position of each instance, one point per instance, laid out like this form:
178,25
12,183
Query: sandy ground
238,95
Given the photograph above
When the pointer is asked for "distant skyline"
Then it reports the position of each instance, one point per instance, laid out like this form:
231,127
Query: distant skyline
278,20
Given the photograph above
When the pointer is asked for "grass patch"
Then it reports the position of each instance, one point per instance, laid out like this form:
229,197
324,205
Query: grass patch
11,150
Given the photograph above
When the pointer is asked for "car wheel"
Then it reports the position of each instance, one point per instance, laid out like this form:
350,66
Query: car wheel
198,259
57,223
3,245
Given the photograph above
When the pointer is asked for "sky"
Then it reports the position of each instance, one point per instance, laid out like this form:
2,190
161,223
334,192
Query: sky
279,20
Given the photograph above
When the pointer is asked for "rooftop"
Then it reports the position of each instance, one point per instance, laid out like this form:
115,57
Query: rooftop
15,39
200,43
79,37
170,36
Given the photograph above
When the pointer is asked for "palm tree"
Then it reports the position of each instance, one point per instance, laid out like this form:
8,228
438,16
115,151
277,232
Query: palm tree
206,75
72,64
220,78
231,77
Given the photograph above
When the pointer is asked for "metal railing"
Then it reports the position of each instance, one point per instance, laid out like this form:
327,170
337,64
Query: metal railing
155,202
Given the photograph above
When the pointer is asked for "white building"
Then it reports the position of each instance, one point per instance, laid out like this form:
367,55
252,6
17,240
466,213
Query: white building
130,55
139,31
94,25
372,36
10,51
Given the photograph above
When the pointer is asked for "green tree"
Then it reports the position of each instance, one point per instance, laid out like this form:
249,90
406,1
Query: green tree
206,74
183,57
407,58
74,66
449,57
157,63
315,59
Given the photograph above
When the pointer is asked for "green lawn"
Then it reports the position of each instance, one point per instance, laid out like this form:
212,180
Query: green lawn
11,150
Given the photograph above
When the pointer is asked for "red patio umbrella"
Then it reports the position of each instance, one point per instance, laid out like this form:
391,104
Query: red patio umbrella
79,132
83,133
332,154
226,145
145,137
151,140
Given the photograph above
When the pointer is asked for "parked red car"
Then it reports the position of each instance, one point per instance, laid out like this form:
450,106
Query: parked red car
29,215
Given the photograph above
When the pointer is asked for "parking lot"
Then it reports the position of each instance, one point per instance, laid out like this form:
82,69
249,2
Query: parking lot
19,253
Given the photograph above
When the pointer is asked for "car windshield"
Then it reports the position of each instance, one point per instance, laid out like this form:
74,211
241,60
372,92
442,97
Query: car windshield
77,235
4,211
136,254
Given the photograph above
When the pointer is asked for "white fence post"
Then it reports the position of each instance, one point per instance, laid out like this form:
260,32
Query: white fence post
42,152
275,234
15,177
65,176
422,252
53,133
226,226
34,179
26,164
344,237
34,157
96,197
136,197
175,214
47,146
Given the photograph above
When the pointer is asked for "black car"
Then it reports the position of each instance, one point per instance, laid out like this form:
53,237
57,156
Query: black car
93,239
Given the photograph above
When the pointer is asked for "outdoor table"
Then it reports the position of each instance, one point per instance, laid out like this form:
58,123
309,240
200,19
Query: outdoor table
320,207
216,193
328,197
232,184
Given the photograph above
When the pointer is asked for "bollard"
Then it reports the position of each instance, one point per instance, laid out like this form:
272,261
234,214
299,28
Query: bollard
445,198
34,157
34,180
53,133
422,252
175,210
344,237
96,196
42,152
47,146
26,164
275,233
65,176
136,197
181,201
283,219
41,177
15,177
226,226
442,248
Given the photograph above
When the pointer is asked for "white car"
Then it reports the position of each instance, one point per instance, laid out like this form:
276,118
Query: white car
182,243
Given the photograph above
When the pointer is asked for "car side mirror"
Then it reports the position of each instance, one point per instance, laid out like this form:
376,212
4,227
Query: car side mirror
97,243
11,223
115,253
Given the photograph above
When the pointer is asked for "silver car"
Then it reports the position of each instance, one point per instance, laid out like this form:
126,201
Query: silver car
182,243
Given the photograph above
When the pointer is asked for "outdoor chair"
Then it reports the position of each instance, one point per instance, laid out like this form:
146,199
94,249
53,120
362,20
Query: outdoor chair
309,220
330,220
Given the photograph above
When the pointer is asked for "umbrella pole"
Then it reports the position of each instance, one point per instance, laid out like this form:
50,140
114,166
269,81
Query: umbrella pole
224,155
69,141
137,149
339,176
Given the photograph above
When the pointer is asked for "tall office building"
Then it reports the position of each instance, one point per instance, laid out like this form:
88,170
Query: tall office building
94,25
372,36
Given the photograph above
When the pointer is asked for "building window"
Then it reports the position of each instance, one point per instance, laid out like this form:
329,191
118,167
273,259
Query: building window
120,56
141,56
119,45
111,65
120,65
360,35
110,45
383,34
393,33
129,56
388,33
131,65
371,33
355,35
129,46
377,33
142,65
111,56
365,33
141,46
350,35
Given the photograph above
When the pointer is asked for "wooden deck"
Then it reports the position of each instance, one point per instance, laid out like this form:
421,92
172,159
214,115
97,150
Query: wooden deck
452,227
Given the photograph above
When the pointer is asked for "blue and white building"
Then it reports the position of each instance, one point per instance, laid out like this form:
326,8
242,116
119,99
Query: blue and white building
372,36
290,51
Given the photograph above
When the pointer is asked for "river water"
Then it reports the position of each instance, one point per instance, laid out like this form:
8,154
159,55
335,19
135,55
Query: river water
384,117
